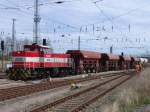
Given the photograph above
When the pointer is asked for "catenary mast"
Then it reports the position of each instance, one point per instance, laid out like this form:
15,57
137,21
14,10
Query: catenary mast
36,22
13,45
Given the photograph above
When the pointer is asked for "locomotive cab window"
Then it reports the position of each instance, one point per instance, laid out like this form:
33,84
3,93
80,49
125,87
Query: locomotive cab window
27,49
44,50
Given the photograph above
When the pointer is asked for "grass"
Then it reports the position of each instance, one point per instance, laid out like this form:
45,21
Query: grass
136,93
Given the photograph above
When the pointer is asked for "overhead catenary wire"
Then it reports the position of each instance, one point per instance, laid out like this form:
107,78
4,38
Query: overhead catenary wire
121,15
70,26
54,2
48,19
9,1
58,23
97,2
102,12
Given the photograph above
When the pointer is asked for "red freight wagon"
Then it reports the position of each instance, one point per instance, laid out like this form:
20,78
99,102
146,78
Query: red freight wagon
110,62
125,62
134,62
85,61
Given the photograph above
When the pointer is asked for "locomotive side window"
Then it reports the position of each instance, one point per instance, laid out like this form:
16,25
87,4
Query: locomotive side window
50,60
19,59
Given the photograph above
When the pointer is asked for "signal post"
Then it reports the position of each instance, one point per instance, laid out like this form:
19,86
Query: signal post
2,49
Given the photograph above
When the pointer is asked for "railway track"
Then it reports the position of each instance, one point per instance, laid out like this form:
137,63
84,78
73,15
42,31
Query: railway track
9,93
78,101
3,76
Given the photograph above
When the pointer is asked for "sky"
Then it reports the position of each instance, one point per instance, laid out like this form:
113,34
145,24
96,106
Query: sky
123,24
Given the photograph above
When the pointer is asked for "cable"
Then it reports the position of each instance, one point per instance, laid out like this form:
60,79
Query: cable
7,7
123,14
56,2
101,11
12,3
98,1
48,19
70,26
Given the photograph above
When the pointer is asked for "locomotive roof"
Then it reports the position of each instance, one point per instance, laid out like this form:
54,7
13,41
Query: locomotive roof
86,54
36,46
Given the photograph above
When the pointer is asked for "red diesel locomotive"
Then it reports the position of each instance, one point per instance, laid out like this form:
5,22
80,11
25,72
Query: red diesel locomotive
35,61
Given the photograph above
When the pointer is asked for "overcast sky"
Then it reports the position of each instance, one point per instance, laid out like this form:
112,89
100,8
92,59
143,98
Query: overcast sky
125,24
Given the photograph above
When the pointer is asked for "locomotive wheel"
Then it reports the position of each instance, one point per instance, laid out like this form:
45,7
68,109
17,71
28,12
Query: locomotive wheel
45,75
17,74
24,74
9,73
28,72
12,74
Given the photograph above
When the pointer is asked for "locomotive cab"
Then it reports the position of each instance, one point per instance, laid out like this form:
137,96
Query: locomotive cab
38,48
30,56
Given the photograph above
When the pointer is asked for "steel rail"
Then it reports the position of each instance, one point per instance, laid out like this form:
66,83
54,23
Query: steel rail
63,100
9,93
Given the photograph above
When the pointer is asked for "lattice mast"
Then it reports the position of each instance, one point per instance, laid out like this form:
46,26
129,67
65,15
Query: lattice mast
36,21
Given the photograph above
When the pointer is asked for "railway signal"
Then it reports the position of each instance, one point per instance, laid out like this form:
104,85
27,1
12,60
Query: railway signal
2,48
44,42
2,45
